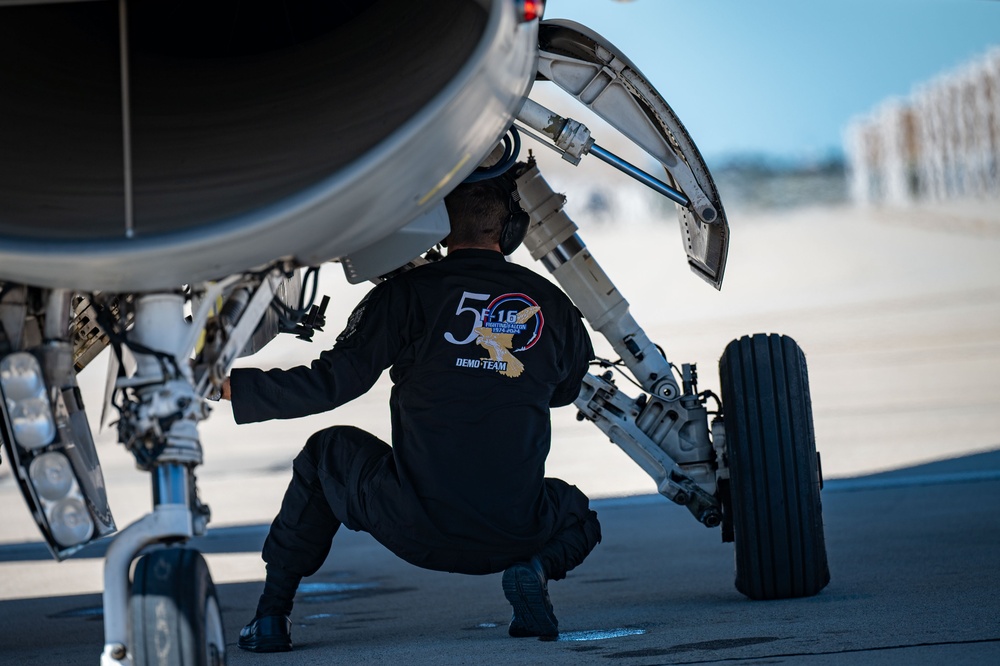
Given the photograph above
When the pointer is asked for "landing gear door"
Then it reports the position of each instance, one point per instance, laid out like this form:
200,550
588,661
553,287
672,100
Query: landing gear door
597,74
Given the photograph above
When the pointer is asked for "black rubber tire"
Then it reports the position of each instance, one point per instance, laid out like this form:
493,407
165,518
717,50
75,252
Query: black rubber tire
774,481
175,616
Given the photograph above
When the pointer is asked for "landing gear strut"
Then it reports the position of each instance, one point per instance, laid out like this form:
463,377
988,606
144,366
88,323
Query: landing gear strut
753,470
170,614
159,425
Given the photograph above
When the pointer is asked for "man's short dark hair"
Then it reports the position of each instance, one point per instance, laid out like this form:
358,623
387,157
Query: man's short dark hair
477,212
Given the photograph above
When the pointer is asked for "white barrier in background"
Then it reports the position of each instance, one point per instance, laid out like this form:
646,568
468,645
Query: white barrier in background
942,143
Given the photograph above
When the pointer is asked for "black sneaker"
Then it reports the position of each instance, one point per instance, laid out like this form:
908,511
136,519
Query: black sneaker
527,590
271,633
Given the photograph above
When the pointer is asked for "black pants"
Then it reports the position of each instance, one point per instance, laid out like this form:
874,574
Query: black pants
329,478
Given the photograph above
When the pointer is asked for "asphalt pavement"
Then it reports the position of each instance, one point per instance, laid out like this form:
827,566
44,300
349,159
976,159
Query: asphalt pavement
914,556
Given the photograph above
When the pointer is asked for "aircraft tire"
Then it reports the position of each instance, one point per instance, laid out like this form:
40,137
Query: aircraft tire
175,616
774,472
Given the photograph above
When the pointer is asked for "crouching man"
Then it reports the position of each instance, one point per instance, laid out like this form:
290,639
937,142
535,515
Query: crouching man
479,349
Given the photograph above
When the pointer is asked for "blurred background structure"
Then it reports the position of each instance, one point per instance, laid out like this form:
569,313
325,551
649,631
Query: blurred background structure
941,143
768,89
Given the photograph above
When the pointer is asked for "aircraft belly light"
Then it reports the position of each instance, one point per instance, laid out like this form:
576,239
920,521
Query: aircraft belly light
24,391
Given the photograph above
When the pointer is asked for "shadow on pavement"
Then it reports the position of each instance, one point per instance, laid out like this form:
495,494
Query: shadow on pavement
912,553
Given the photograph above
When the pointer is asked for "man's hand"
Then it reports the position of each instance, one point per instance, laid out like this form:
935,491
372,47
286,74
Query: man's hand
221,393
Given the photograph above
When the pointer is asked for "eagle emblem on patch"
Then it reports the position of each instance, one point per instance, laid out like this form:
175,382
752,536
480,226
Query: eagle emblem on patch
499,345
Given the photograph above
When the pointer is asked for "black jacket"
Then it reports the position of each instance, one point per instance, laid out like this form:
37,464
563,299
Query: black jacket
479,349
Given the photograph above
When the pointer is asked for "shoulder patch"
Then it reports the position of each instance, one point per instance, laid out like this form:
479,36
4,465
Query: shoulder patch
355,319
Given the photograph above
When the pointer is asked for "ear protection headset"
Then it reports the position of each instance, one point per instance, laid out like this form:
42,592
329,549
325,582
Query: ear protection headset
499,176
515,227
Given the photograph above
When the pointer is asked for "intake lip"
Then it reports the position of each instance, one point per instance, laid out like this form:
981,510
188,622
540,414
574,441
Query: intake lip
305,144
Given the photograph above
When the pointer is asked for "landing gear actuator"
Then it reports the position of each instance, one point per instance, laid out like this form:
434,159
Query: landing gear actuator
665,430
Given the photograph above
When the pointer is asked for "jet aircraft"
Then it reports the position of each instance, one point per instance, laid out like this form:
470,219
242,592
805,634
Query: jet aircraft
172,174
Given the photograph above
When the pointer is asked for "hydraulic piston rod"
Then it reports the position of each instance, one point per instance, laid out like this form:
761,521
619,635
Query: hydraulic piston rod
552,240
572,140
646,179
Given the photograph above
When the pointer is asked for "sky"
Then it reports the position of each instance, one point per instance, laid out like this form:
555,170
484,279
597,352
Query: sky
783,78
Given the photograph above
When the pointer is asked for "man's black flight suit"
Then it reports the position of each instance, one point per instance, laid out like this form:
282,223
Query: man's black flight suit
479,350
